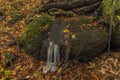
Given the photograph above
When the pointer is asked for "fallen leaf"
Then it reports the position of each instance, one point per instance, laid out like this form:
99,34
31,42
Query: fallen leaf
73,36
66,31
59,70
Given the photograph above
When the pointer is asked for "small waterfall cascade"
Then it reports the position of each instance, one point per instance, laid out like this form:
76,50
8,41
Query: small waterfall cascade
53,58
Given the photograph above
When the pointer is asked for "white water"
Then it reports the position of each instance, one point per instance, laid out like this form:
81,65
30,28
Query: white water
53,58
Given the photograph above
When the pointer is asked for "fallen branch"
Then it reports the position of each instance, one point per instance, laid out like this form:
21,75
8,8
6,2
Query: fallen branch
70,5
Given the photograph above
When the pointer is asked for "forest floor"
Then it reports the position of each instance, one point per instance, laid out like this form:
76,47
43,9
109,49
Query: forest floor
27,68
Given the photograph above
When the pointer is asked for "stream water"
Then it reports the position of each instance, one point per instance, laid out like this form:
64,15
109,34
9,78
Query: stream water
53,58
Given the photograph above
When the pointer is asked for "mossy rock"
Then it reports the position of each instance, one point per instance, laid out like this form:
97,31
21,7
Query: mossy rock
86,43
32,39
116,37
89,43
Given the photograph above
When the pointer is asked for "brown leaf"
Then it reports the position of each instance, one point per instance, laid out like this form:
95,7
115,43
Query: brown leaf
94,76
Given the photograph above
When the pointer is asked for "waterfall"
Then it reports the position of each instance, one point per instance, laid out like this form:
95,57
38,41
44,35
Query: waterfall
53,58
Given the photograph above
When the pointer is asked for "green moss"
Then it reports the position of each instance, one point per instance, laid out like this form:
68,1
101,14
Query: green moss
32,38
29,20
60,12
68,13
36,26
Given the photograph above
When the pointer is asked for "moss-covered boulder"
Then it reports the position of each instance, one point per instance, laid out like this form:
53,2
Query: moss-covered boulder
89,43
116,37
32,39
85,41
